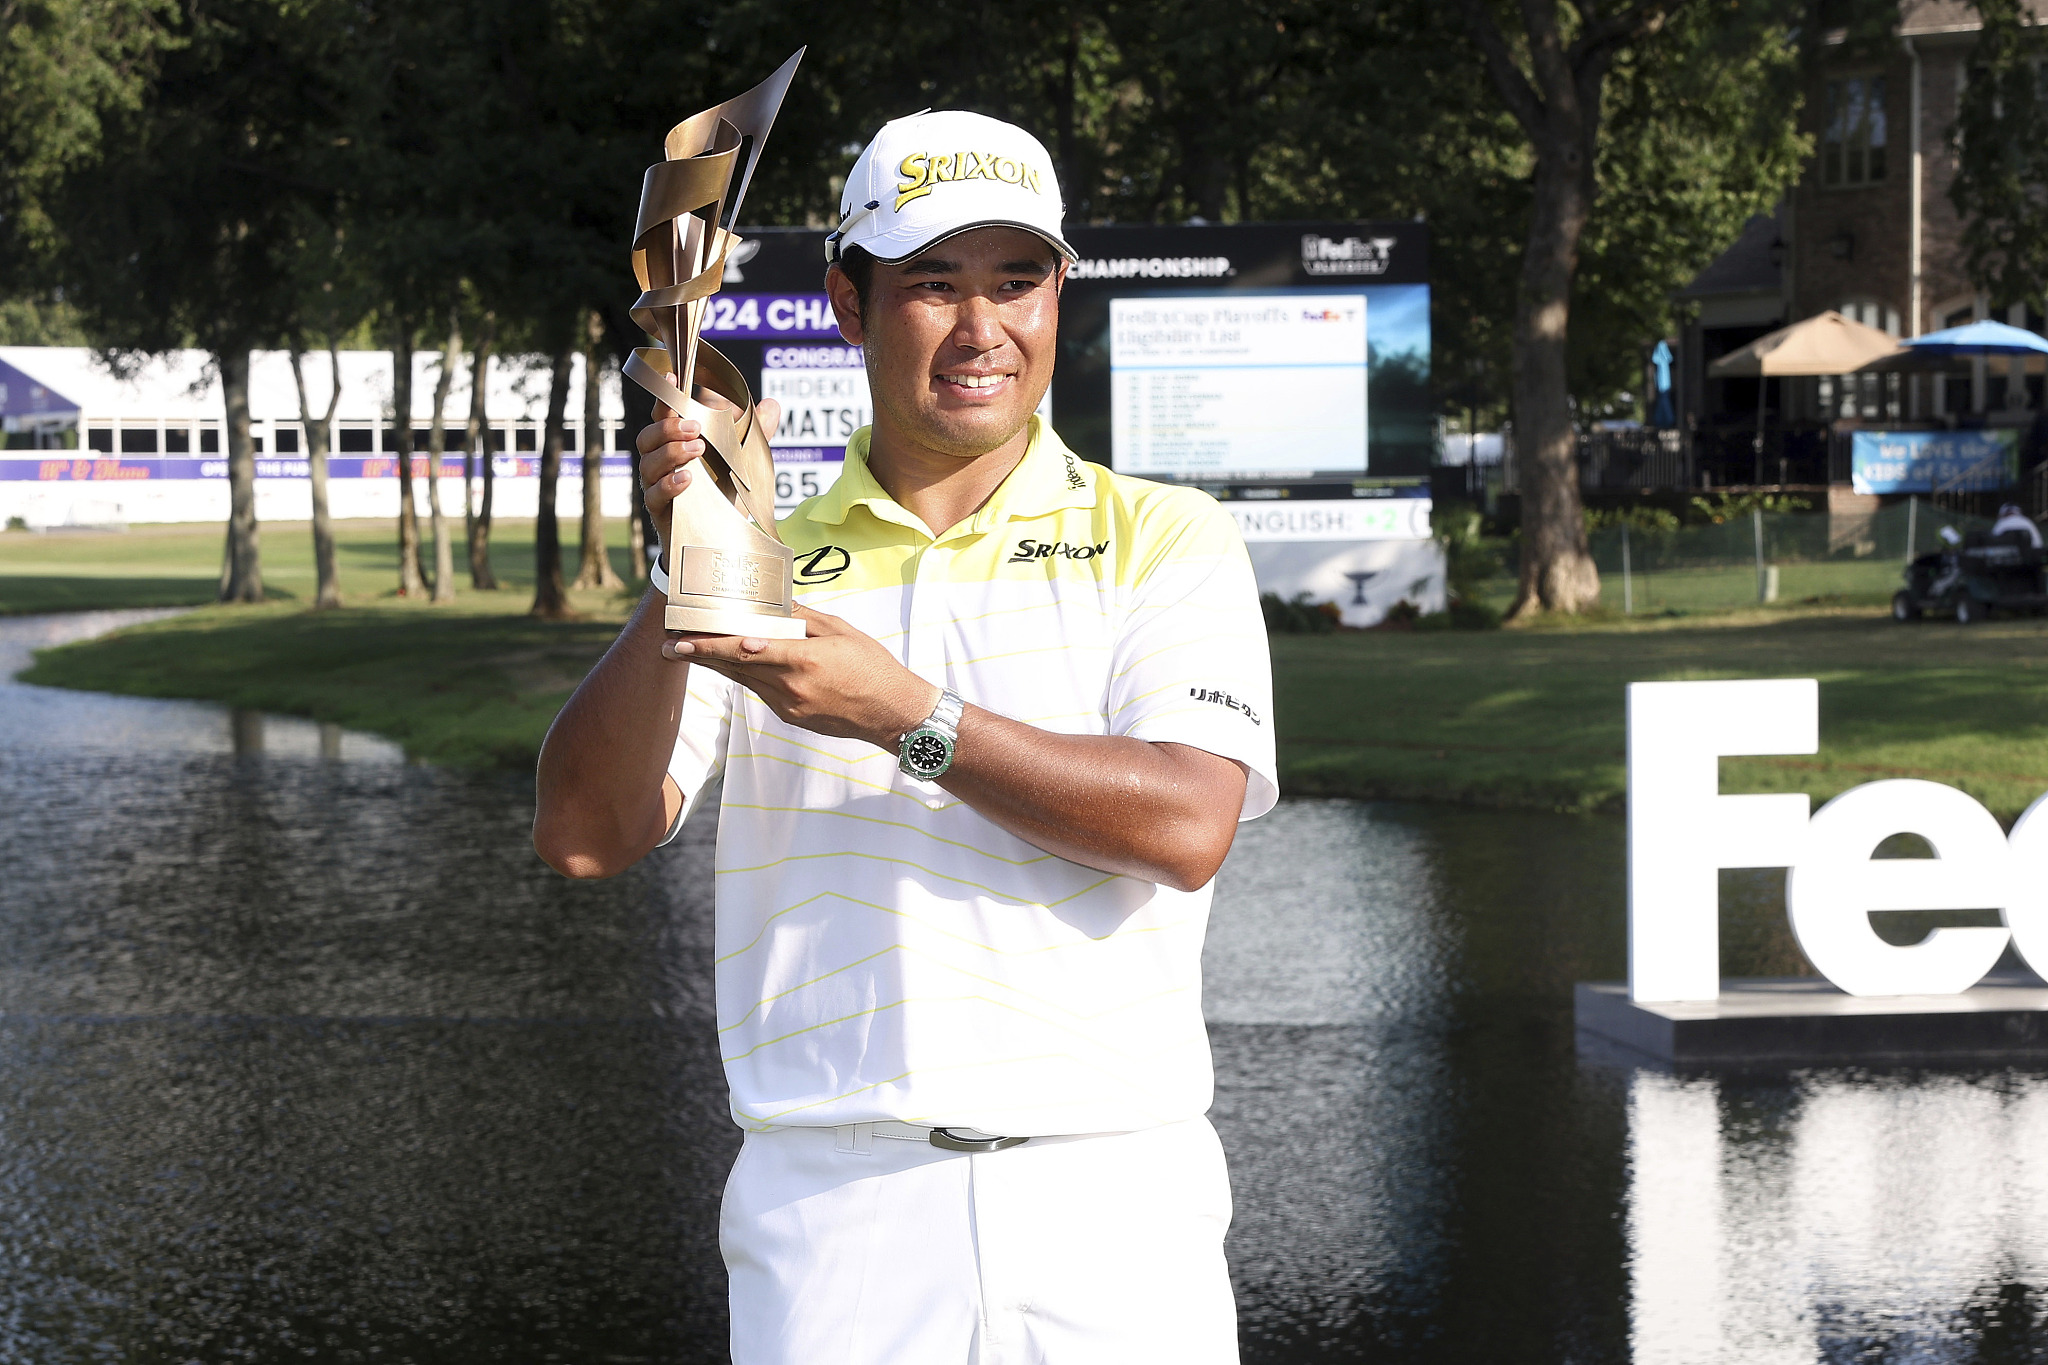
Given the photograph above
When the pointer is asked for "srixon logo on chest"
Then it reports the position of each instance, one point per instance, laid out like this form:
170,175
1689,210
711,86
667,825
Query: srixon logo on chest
1028,550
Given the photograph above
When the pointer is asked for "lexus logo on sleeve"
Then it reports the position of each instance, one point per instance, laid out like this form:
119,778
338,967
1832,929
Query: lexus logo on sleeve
822,565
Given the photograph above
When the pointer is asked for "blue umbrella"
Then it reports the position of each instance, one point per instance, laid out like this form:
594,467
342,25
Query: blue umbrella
1979,338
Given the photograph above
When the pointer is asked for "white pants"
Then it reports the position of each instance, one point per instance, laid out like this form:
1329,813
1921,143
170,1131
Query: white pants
1103,1250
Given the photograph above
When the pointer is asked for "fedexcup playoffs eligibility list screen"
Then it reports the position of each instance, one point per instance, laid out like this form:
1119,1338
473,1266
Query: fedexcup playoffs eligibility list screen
1238,384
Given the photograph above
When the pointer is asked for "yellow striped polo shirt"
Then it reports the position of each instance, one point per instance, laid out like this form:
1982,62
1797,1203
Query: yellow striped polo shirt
883,951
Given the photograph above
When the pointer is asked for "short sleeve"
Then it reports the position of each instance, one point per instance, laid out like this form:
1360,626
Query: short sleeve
701,736
1190,664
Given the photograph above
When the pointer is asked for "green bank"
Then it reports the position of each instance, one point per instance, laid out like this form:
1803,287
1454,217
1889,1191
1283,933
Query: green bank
1512,718
169,566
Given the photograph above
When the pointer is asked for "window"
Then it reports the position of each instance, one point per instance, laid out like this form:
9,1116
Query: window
100,439
287,440
1852,140
524,439
138,440
356,440
209,440
1871,313
177,440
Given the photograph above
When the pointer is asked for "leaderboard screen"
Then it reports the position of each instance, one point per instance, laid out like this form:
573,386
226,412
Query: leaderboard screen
1204,353
1248,351
1238,384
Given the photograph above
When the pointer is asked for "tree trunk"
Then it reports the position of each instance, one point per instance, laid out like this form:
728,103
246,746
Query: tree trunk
437,446
636,534
477,526
549,598
410,584
327,592
596,570
1556,100
1557,569
241,578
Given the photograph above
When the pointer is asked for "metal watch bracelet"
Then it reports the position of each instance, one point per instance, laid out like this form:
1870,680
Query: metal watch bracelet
941,729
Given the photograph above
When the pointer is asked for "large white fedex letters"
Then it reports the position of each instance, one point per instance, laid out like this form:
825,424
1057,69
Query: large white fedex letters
1681,832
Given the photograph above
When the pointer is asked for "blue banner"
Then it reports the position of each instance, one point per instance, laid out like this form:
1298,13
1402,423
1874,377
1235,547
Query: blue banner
1934,461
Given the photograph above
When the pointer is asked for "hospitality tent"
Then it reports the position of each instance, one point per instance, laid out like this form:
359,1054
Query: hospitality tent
1826,343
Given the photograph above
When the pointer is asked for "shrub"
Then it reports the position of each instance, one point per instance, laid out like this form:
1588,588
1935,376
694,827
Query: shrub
1726,507
1299,616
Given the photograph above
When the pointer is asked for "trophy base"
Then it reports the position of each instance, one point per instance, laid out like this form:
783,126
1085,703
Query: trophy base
703,621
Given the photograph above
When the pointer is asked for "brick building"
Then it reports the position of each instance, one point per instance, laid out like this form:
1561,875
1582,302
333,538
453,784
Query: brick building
1869,231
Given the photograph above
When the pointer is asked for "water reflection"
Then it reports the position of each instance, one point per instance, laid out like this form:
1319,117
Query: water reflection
304,1055
50,718
1838,1217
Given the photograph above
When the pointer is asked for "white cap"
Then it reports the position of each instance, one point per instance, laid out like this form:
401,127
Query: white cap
931,175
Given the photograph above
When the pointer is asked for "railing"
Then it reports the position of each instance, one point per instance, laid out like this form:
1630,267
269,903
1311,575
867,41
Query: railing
1634,459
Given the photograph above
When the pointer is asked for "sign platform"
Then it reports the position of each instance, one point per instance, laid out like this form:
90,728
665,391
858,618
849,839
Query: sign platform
1807,1021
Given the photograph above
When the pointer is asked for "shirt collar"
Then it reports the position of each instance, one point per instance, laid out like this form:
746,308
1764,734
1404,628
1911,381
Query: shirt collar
1048,479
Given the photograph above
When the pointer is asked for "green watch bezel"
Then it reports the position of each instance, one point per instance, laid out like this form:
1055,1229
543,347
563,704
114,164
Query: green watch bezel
910,766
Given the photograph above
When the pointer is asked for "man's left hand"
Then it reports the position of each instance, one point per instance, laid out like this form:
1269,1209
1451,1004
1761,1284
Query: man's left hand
835,681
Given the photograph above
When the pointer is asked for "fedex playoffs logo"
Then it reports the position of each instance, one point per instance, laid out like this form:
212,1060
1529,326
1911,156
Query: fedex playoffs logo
1682,831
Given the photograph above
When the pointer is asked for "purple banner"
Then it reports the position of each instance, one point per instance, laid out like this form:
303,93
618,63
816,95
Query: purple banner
766,317
110,469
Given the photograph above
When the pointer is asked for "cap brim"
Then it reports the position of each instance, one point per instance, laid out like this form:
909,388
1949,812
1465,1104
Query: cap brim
882,241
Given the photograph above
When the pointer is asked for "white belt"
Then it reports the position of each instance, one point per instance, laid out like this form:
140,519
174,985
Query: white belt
859,1138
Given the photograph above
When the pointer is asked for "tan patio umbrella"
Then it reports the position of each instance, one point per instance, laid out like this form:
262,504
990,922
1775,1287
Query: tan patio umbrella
1826,343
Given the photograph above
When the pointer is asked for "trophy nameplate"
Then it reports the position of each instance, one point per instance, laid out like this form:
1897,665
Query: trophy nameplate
728,571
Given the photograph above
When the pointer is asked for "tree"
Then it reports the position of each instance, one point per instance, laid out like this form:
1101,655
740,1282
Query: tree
411,583
319,432
596,570
189,226
437,445
477,447
1554,93
550,600
2001,141
66,67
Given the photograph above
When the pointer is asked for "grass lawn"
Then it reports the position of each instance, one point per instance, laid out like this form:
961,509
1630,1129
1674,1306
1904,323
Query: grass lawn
1535,717
1528,717
170,566
1732,587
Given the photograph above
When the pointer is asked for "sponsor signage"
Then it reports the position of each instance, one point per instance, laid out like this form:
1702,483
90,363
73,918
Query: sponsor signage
134,468
1332,519
1934,461
1347,392
1682,831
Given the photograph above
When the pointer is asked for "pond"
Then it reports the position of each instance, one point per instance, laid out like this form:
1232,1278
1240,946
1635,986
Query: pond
303,1055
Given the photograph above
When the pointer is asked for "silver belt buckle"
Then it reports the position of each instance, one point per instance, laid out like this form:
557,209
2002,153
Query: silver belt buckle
953,1142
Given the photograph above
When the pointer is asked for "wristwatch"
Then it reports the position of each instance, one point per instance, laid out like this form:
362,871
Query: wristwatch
927,751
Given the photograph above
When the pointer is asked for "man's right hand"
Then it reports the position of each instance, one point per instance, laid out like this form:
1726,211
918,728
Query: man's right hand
668,445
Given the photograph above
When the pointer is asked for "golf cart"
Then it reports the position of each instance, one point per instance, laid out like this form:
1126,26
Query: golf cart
1972,577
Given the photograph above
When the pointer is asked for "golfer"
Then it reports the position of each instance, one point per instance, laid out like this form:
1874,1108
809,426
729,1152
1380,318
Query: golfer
968,825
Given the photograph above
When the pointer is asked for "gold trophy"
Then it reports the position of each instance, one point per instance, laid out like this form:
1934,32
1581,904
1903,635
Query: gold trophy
728,572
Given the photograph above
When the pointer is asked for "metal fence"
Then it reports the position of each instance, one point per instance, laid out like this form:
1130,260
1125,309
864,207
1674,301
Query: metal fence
1749,560
1799,456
